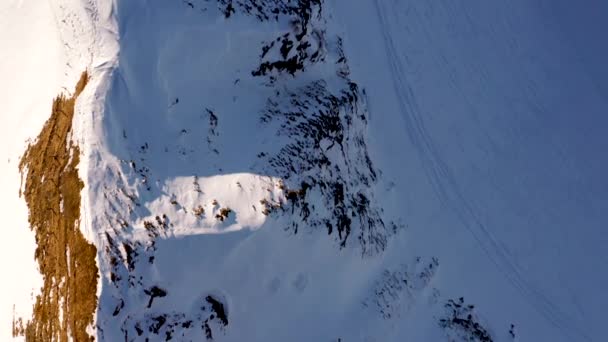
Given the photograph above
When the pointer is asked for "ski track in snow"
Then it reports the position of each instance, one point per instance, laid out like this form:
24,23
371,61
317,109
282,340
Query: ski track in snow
449,193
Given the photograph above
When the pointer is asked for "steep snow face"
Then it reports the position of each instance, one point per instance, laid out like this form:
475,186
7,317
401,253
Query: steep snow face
258,161
232,179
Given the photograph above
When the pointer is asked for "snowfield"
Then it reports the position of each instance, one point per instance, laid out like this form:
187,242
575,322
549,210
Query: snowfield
309,170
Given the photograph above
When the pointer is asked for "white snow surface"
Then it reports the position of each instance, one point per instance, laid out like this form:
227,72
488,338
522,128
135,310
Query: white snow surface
470,156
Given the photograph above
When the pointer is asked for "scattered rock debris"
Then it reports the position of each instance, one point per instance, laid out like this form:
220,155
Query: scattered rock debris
64,309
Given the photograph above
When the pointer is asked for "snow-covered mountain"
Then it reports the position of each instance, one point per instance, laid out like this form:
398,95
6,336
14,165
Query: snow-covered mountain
304,170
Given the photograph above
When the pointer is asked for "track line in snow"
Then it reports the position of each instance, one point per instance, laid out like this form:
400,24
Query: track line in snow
448,192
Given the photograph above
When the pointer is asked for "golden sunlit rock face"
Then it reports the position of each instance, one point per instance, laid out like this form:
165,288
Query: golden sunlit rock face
67,301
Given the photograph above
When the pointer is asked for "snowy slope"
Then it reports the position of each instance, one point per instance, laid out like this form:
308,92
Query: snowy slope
251,112
310,170
506,122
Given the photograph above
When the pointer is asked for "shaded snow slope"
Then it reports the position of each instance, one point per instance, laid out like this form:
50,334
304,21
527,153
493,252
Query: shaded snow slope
503,170
478,153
